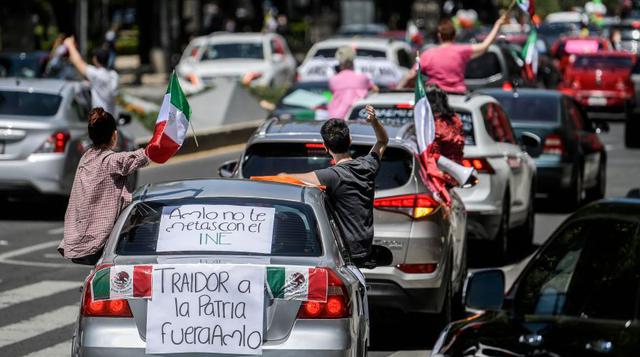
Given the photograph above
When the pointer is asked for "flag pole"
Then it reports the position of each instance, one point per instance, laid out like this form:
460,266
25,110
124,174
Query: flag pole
513,3
193,131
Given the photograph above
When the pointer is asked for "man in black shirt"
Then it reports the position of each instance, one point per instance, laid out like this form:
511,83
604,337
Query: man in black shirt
351,182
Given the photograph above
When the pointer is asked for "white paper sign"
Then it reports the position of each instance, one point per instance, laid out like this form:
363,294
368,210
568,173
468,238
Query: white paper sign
225,228
206,308
380,70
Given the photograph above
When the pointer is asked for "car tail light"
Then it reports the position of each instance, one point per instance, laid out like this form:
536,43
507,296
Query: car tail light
425,268
337,305
103,308
415,206
507,86
56,143
404,106
314,146
553,145
480,164
575,84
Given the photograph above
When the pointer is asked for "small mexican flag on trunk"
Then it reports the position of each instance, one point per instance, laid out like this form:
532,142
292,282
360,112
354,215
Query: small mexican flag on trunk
298,283
171,125
122,282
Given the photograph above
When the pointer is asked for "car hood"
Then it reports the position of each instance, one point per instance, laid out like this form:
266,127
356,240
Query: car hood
234,67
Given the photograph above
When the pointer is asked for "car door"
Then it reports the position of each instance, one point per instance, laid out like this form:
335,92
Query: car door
578,296
589,146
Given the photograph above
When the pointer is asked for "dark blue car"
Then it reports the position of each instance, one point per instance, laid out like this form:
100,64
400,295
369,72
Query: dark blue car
572,161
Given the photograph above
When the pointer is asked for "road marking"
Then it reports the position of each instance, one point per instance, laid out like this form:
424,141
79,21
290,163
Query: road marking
38,325
35,291
5,258
59,350
56,231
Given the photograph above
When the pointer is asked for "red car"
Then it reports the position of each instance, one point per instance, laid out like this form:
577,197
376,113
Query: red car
565,47
601,81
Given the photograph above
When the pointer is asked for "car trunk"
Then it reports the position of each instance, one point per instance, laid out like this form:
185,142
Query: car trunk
19,138
279,315
599,79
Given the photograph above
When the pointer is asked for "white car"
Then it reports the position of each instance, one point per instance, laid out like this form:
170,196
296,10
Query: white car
502,201
264,57
386,61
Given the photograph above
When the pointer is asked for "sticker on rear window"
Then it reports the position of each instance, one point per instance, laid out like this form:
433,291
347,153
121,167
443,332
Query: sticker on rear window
222,228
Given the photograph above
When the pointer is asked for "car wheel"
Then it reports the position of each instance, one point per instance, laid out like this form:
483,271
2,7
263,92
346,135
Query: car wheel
598,191
502,237
632,131
524,233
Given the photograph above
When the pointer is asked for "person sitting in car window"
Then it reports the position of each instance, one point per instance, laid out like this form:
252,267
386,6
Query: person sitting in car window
347,85
101,189
350,183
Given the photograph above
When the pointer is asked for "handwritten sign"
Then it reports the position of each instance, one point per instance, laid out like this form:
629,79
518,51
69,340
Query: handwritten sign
216,228
206,308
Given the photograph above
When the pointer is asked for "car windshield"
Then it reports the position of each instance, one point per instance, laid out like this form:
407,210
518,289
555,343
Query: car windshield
29,104
539,108
593,62
360,52
398,115
21,65
484,66
274,158
209,224
241,50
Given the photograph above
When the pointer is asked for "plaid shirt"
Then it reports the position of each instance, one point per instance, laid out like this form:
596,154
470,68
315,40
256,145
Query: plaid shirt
101,190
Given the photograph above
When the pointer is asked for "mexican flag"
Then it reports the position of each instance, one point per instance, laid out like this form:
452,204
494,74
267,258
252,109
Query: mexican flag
530,55
297,283
171,125
122,282
527,6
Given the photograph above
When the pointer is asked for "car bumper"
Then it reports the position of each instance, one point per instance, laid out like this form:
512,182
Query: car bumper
39,173
553,176
114,337
390,295
604,101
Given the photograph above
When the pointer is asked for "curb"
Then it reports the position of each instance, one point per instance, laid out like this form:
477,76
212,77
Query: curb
226,135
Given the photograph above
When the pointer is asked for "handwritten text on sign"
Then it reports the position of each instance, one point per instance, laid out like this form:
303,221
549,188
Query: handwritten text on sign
216,228
206,308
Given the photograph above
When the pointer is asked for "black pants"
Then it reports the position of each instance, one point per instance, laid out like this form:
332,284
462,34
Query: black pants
89,259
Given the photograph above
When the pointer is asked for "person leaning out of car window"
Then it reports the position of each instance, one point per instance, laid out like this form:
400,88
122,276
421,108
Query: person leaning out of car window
101,189
445,64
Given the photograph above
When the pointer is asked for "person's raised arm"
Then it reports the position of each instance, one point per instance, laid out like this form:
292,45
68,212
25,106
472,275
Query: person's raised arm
382,139
74,56
480,48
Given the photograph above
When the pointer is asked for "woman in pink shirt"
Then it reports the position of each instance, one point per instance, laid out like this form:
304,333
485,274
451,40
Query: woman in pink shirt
347,85
445,64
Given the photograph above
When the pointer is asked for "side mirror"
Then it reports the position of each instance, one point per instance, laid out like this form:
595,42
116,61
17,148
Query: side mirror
124,119
531,143
228,168
484,290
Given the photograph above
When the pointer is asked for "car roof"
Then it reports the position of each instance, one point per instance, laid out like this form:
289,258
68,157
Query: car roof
40,85
388,98
524,92
234,36
622,208
373,42
216,187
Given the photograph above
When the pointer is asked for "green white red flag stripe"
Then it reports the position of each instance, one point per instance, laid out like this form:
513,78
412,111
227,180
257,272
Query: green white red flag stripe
527,6
530,54
122,282
171,125
298,283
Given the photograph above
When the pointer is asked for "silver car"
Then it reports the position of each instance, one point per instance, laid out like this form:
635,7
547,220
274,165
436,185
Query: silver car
503,198
428,240
303,235
43,134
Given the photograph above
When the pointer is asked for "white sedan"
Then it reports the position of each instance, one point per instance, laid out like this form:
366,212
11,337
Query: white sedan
263,59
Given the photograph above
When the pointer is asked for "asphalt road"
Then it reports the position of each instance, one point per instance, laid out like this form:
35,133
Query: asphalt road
40,292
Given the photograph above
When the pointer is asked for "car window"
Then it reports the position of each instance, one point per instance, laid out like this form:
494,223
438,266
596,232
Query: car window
295,230
217,51
505,124
404,60
589,270
496,123
512,65
277,46
274,158
29,104
540,109
485,66
80,110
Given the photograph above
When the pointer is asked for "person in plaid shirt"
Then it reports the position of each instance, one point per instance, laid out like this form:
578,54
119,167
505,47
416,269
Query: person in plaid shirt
101,189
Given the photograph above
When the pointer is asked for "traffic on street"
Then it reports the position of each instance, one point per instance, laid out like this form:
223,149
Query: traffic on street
307,178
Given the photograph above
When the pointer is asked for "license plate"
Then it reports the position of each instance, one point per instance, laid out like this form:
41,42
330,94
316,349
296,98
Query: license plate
597,101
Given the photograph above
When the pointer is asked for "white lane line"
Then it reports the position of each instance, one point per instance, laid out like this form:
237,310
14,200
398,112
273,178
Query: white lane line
27,250
62,349
5,258
56,231
35,291
38,325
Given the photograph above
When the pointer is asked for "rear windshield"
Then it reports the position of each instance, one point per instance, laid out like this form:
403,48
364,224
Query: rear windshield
219,51
360,52
543,109
294,231
397,115
29,104
272,159
484,66
592,62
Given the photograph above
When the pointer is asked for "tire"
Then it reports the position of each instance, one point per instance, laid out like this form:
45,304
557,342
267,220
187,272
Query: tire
574,197
524,233
598,191
632,131
501,240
